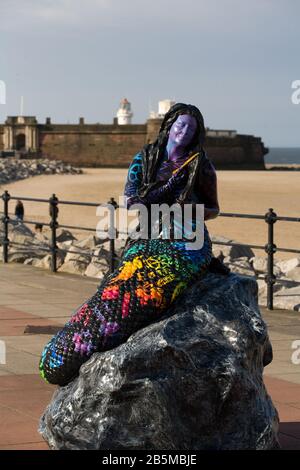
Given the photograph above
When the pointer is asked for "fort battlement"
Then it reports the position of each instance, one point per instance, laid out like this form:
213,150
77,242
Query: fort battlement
114,145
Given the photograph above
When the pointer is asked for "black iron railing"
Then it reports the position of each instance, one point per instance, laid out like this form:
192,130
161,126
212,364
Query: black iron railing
270,247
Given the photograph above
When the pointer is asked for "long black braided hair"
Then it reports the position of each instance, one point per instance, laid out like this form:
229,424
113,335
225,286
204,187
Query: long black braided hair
152,153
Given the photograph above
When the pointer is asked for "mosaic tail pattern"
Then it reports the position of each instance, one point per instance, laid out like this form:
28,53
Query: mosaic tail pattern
151,275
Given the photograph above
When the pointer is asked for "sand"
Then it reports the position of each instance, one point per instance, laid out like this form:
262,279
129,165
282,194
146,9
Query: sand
251,192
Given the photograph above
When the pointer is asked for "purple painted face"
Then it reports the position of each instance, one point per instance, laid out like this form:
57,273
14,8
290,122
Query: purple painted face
183,130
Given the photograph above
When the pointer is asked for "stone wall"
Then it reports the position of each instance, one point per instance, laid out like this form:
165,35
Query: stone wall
241,152
114,145
1,138
107,146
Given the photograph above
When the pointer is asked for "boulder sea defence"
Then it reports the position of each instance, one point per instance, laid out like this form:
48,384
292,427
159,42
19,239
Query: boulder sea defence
191,381
14,169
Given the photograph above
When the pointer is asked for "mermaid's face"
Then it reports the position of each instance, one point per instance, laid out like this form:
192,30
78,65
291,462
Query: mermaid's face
183,130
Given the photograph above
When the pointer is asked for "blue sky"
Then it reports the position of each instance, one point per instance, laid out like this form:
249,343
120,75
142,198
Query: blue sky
234,59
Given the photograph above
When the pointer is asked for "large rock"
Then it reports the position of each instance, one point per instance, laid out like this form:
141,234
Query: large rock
75,252
19,256
287,265
193,380
75,266
260,265
41,238
235,251
88,243
97,270
46,261
294,274
279,285
63,235
119,244
20,234
19,239
240,265
98,266
65,246
19,227
24,245
76,260
286,298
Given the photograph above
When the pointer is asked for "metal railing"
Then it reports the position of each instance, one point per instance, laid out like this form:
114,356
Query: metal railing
270,247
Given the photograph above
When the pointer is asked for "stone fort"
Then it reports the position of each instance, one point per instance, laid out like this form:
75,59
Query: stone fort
114,145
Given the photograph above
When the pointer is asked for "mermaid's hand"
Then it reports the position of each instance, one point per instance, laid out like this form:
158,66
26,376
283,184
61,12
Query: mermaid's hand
177,179
130,201
162,193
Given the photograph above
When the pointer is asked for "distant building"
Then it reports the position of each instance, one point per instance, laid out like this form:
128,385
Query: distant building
114,145
20,133
163,108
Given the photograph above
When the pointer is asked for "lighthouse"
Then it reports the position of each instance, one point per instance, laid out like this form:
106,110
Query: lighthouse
124,113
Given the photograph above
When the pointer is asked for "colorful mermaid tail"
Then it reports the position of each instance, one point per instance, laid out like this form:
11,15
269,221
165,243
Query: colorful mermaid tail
151,275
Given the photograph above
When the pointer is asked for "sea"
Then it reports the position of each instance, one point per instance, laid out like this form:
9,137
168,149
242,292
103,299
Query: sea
283,155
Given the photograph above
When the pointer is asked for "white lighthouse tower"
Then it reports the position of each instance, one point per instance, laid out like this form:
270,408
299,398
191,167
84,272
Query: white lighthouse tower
124,113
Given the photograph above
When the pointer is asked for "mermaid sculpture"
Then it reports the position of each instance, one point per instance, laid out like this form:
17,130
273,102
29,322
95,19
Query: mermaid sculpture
152,272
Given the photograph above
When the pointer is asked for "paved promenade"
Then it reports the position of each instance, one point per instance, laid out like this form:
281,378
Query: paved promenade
31,299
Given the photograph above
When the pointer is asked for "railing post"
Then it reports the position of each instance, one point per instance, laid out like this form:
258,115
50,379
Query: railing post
270,249
53,201
112,234
5,219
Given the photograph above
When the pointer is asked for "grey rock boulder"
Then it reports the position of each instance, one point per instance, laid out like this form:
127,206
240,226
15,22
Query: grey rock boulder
97,270
46,261
17,227
63,235
294,274
74,266
14,169
260,265
76,260
78,254
288,298
279,285
193,380
287,265
89,243
235,251
240,265
98,266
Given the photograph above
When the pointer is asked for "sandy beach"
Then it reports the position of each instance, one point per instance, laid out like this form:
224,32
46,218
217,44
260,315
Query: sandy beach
251,192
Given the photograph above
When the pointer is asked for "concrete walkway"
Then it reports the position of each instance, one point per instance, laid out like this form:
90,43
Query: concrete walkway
31,298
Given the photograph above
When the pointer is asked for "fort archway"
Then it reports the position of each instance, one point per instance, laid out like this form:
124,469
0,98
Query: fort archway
21,142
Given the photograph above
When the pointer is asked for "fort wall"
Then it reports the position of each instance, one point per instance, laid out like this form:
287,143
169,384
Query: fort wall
113,145
105,145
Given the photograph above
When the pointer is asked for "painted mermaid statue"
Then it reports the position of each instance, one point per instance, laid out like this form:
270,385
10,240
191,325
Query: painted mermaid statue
153,272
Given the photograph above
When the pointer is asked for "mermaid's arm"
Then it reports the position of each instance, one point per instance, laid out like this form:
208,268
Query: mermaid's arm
156,195
208,191
133,181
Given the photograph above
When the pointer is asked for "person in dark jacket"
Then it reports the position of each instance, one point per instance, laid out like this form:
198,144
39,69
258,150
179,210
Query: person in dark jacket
19,210
53,210
153,272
